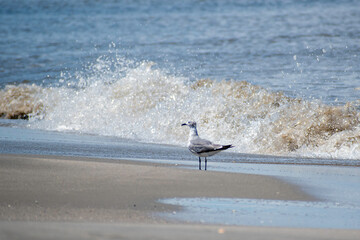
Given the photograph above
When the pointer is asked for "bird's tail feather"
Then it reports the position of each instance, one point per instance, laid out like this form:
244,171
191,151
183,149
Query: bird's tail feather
226,147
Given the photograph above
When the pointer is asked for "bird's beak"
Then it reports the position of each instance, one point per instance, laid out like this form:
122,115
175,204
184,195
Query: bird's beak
184,124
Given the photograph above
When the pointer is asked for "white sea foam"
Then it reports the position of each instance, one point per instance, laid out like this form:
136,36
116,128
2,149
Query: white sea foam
142,102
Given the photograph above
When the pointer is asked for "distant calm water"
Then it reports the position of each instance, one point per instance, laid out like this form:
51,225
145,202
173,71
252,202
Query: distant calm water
135,69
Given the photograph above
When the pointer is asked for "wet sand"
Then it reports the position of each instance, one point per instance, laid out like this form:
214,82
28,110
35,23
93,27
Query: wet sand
119,198
80,231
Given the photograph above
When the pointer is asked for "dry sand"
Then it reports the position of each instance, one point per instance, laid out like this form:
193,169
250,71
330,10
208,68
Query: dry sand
44,195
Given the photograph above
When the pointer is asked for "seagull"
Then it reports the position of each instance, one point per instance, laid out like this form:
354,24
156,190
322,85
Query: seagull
202,147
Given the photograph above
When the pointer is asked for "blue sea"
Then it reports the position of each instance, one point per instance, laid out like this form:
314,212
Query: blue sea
275,77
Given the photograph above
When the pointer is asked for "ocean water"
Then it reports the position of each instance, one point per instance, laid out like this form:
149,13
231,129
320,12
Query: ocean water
271,77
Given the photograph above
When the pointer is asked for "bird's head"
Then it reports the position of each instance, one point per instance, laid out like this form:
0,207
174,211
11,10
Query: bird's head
191,124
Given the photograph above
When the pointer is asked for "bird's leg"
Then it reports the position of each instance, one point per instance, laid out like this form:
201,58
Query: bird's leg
199,163
205,163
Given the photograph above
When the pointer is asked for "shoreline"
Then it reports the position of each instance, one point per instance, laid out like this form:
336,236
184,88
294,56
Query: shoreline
26,141
46,195
102,190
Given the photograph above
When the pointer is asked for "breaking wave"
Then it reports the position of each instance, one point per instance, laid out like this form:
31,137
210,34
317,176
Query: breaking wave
146,103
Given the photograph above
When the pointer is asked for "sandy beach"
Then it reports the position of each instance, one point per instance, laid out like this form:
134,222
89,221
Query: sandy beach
86,196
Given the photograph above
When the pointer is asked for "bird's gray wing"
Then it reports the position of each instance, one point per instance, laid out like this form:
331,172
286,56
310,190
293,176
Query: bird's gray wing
200,145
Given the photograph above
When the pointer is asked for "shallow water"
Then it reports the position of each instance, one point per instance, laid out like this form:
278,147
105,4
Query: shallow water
18,140
335,186
258,212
